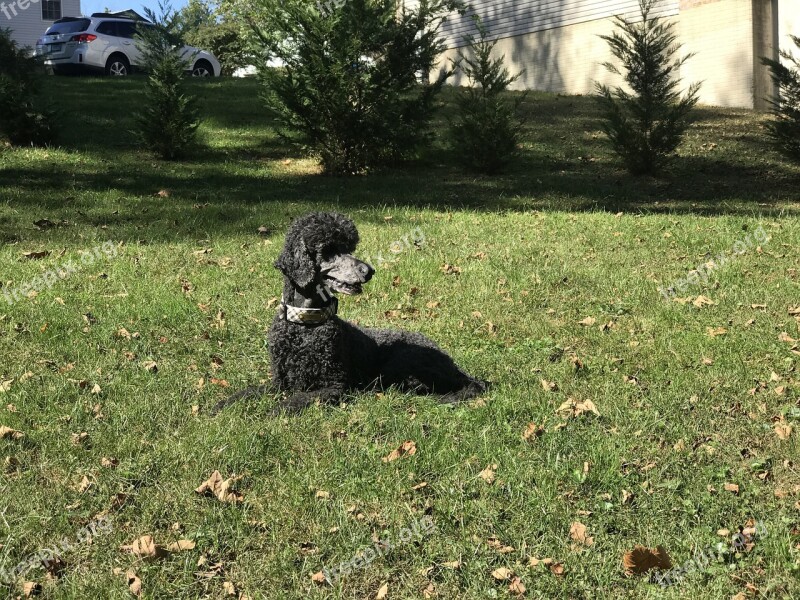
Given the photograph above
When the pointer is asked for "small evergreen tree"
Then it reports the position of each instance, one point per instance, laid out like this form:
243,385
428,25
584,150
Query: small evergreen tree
20,120
354,84
167,125
784,129
486,130
645,125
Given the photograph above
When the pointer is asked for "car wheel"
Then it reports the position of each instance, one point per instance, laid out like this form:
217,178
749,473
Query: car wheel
118,66
202,68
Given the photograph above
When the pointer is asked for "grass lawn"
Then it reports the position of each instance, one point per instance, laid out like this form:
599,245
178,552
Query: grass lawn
544,280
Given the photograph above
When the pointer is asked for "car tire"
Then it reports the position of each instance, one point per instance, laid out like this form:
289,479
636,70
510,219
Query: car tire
118,66
202,68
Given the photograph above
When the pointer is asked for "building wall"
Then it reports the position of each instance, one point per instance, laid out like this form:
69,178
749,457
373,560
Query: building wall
558,43
788,24
27,24
565,59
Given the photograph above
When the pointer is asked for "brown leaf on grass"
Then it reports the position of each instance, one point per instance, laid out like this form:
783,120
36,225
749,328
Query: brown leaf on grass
516,587
407,448
383,592
794,311
145,548
5,385
35,255
181,546
488,474
6,433
641,560
715,331
85,485
588,321
449,269
549,386
532,431
162,194
497,544
702,301
577,532
783,430
573,408
785,337
134,583
229,588
502,573
78,439
219,488
732,488
109,462
318,577
30,589
151,366
556,569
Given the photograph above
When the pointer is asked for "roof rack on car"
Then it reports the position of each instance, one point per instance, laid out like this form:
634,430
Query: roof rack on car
124,14
68,19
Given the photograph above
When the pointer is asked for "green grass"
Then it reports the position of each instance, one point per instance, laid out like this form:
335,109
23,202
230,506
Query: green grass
563,236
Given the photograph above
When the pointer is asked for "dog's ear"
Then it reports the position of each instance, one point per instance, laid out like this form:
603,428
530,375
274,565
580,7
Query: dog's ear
296,263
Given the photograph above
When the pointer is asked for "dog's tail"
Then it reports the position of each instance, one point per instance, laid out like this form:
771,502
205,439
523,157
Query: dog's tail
255,391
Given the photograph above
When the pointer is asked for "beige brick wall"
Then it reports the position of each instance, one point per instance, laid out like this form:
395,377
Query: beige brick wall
721,36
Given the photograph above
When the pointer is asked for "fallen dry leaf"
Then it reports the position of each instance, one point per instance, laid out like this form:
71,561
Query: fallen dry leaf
715,331
588,321
732,488
31,588
573,408
318,577
151,366
577,532
109,462
35,255
383,592
221,489
783,430
516,586
145,548
502,573
702,301
6,433
488,474
641,559
134,583
407,448
5,384
532,431
181,546
549,386
785,337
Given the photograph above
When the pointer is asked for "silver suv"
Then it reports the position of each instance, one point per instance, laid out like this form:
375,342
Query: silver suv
108,43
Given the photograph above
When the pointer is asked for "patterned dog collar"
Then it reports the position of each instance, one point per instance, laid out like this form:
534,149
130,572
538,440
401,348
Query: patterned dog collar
310,316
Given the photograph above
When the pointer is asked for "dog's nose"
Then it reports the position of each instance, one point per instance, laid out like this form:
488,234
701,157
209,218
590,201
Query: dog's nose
366,271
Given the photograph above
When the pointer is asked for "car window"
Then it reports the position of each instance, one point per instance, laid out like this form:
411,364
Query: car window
126,29
107,28
69,26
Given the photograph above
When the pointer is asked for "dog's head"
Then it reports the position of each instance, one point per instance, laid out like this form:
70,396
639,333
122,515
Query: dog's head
318,251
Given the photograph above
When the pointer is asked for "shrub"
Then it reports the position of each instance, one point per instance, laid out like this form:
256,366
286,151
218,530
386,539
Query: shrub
486,130
167,125
645,125
784,129
20,121
355,82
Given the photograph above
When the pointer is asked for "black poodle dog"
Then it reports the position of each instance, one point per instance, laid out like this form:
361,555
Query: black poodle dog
317,355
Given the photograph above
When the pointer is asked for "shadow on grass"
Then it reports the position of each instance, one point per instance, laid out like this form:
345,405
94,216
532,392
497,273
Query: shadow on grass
726,167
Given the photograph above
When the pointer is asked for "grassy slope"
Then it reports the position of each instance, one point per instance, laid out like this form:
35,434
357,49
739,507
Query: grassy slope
539,249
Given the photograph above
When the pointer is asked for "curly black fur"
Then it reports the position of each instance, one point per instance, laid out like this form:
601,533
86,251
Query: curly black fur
324,361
